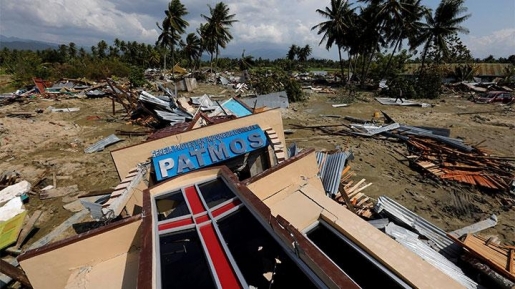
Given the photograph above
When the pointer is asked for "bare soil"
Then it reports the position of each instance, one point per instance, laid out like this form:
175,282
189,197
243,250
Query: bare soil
54,143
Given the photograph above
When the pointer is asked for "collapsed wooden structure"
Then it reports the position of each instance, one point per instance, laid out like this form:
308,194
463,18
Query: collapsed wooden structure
477,167
500,257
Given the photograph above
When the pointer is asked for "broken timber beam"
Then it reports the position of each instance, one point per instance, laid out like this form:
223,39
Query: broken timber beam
15,273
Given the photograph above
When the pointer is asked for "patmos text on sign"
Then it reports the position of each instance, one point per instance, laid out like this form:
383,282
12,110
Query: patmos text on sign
185,157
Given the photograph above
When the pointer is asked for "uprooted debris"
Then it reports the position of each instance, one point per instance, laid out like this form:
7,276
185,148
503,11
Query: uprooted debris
432,151
351,195
476,167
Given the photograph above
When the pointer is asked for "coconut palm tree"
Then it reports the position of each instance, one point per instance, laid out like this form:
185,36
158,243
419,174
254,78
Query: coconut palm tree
402,22
292,52
304,53
216,30
172,27
192,49
339,22
445,22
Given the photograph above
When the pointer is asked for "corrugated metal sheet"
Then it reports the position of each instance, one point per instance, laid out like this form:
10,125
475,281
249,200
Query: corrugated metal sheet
175,116
437,237
293,150
330,169
149,98
454,142
100,145
410,241
272,100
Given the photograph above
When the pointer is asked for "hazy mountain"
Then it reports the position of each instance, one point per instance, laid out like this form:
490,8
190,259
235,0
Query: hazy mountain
24,44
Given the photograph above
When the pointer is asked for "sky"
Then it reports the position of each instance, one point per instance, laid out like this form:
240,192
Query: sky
262,24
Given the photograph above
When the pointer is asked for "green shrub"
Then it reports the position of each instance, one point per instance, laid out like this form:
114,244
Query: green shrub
429,83
137,77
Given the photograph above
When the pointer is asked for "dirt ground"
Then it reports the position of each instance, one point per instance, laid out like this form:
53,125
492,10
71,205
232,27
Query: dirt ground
49,143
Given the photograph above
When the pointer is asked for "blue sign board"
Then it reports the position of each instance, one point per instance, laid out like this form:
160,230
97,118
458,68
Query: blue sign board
182,158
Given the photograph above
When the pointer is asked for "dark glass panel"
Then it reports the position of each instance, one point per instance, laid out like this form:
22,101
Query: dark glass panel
215,192
183,262
171,206
256,254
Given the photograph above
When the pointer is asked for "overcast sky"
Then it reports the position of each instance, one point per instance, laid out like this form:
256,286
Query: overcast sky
262,23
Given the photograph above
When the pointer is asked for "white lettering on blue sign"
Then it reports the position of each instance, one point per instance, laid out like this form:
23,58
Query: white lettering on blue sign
189,156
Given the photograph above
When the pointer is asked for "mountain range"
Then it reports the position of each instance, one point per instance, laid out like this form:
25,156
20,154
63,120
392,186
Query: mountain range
24,44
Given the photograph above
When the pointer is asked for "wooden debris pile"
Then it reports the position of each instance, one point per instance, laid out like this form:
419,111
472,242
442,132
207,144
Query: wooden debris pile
352,197
501,258
445,162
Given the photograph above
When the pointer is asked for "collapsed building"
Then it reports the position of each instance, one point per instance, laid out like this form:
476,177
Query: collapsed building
225,206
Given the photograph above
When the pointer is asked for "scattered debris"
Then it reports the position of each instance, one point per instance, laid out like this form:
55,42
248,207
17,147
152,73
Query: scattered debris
475,167
57,192
352,197
11,209
501,258
10,229
400,102
411,241
59,229
27,229
68,109
330,168
474,228
100,145
436,237
15,190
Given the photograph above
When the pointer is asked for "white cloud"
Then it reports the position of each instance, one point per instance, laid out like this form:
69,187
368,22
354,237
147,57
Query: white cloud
500,43
67,20
274,22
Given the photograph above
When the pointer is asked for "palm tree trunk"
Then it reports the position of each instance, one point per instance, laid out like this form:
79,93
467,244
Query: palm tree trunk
350,66
424,53
365,72
173,70
164,60
391,57
341,62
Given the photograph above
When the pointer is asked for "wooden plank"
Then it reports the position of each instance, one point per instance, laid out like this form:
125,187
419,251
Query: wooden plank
487,253
345,170
27,228
60,229
15,273
346,199
355,186
363,201
360,189
510,261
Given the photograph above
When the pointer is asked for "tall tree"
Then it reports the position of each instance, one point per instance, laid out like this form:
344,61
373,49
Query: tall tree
101,48
337,26
172,27
192,49
72,50
402,21
292,52
216,30
304,53
445,22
